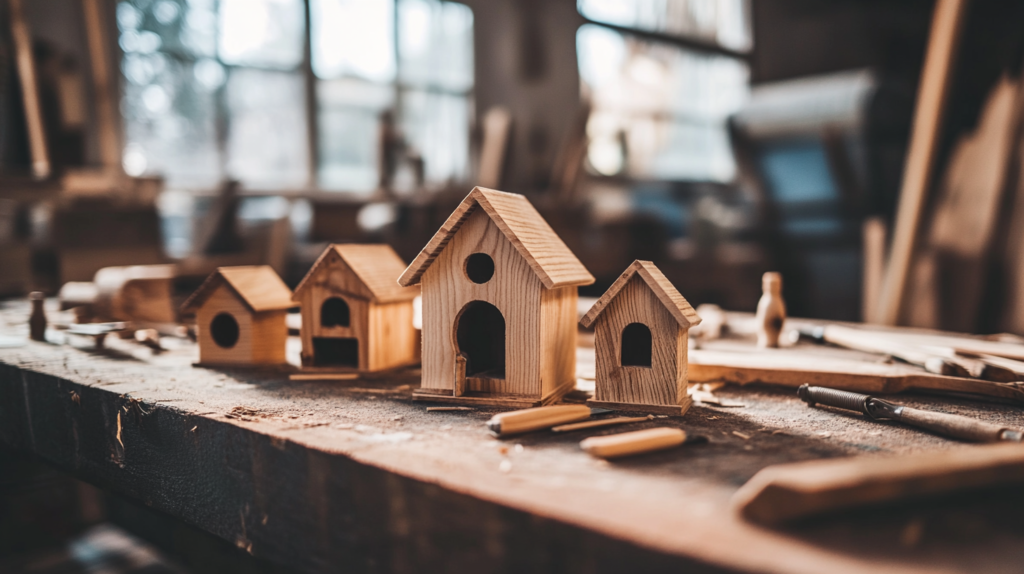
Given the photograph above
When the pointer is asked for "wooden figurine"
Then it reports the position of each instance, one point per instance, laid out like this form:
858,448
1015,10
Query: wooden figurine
355,315
240,316
641,327
771,311
37,320
499,305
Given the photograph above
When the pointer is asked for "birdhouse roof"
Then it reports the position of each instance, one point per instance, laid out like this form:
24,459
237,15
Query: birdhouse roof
522,225
258,287
659,284
377,267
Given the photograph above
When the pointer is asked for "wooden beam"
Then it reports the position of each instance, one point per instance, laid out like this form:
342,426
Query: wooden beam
38,151
933,92
103,94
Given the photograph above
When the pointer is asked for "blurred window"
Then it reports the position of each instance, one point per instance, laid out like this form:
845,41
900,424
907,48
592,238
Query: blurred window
662,77
216,89
423,70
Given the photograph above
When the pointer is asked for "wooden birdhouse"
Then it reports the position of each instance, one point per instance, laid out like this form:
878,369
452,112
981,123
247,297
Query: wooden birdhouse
641,329
240,316
499,305
355,315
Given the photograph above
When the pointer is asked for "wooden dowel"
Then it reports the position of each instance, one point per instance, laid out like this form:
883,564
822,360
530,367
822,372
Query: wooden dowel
631,443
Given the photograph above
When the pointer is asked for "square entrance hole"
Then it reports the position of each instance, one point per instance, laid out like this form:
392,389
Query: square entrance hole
336,351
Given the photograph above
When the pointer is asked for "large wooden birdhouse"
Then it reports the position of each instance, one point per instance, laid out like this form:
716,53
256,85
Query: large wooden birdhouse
499,305
355,315
641,327
240,316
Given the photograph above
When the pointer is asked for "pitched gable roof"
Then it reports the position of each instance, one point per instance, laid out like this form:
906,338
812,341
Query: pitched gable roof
376,266
258,286
522,225
659,284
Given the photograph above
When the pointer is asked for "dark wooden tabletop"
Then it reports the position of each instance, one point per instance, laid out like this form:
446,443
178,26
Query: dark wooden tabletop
321,474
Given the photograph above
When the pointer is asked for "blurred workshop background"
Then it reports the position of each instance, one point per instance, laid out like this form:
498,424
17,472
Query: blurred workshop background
717,138
869,150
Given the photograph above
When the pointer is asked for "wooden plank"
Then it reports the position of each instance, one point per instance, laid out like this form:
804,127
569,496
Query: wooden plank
873,234
970,197
31,101
105,101
936,76
787,492
792,368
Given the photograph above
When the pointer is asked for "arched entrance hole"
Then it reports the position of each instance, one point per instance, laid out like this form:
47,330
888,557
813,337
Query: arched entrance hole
334,313
480,336
636,346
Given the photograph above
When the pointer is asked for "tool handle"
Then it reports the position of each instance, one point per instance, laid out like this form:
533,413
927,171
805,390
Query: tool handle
536,418
833,398
956,426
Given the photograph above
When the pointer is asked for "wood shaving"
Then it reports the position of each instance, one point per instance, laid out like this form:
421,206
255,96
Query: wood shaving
741,435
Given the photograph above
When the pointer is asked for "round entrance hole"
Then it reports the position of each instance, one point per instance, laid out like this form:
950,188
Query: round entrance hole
224,330
479,267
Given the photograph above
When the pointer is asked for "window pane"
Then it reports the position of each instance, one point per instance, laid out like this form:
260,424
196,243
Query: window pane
437,126
265,33
435,44
348,149
724,22
663,105
266,143
353,38
170,122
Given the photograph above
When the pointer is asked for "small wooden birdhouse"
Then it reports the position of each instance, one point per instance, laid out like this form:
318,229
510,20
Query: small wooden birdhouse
240,316
641,329
499,305
355,315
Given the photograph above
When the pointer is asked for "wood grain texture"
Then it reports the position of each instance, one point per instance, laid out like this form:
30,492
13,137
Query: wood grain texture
380,311
310,303
441,497
261,336
522,226
514,289
660,286
789,491
368,271
664,382
933,90
392,339
558,340
258,286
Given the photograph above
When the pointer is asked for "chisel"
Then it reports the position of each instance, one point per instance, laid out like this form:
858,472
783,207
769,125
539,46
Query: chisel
954,426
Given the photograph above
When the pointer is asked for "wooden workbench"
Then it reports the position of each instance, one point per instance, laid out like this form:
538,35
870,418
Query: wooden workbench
355,476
